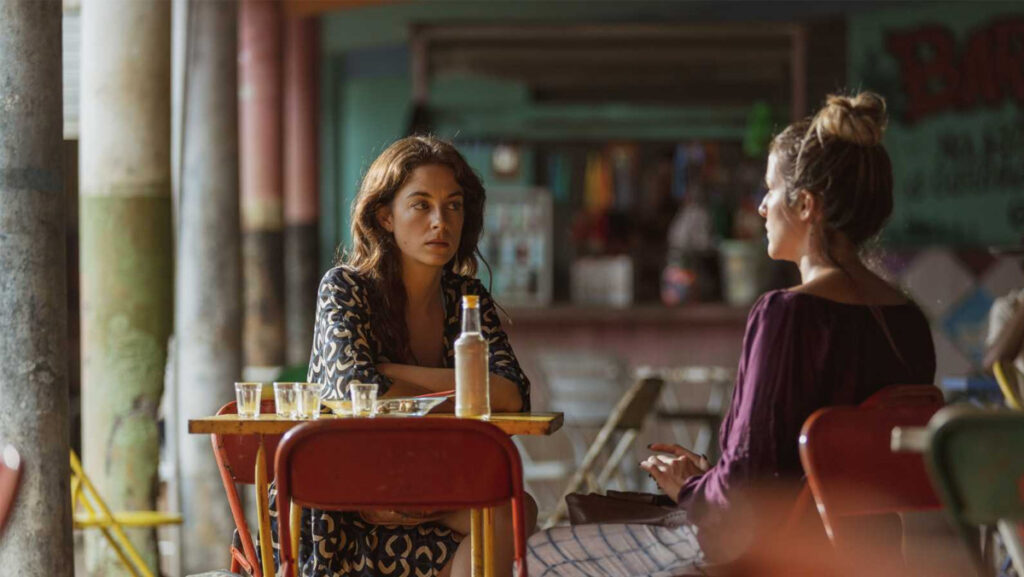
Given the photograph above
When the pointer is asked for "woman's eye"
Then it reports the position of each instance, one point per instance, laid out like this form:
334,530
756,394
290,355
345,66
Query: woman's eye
420,206
455,206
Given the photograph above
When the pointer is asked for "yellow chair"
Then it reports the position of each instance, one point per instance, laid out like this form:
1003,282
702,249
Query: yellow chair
1009,381
97,515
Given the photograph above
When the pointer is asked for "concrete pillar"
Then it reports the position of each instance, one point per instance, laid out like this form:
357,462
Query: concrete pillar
260,107
301,195
126,255
33,289
208,315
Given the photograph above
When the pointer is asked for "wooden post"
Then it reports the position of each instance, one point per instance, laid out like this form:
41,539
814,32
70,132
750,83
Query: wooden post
259,107
126,254
301,195
208,323
33,289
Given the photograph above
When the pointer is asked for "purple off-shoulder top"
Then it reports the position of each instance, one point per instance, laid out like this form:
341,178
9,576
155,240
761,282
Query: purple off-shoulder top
801,353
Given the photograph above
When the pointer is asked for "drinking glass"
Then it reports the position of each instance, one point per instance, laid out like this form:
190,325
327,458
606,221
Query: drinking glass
309,399
286,400
248,397
364,399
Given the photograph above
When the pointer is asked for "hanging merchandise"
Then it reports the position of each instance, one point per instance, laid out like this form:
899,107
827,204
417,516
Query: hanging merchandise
623,161
759,130
679,176
747,223
597,186
559,177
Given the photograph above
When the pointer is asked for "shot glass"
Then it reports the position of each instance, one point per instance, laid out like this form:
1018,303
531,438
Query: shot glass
309,399
286,400
248,397
364,399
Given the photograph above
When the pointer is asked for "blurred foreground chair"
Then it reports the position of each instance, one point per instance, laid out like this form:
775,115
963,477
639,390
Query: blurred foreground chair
1009,379
855,478
976,458
236,458
97,515
626,420
405,464
10,475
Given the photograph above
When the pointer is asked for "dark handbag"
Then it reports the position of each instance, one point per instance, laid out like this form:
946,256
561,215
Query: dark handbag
626,508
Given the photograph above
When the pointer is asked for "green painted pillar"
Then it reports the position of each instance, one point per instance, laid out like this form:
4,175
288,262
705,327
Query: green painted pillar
260,146
126,255
33,290
208,321
301,195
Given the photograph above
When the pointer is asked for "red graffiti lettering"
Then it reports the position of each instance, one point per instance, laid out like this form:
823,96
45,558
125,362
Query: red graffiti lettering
936,78
928,69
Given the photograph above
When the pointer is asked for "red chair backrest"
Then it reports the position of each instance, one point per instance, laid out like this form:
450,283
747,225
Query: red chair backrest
394,463
850,467
238,452
10,475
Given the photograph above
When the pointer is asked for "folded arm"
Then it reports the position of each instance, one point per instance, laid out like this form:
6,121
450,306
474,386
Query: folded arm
505,397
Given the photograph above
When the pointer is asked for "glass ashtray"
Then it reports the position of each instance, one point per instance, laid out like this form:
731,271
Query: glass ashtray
408,406
397,407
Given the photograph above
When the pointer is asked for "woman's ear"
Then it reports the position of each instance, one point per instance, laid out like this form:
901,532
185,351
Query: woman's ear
807,206
384,218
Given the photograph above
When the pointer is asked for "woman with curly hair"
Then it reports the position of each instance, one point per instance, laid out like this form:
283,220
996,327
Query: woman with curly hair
388,313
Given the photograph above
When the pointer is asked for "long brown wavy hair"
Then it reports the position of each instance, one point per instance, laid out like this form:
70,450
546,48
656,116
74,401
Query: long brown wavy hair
374,253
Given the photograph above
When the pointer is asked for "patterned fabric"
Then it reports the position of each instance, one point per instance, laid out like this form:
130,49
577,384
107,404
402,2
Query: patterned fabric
345,348
614,551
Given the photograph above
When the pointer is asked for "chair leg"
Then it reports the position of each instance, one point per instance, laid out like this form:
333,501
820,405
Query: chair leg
1012,539
624,444
296,521
476,536
262,507
489,570
118,540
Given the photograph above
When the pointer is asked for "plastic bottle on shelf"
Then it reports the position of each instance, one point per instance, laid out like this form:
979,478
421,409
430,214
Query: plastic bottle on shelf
472,381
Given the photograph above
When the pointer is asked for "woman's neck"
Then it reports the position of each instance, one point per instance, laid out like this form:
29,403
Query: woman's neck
815,264
422,285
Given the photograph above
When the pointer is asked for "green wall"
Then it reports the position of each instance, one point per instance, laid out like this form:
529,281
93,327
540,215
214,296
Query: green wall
957,139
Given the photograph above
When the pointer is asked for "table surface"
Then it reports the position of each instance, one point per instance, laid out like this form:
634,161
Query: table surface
271,424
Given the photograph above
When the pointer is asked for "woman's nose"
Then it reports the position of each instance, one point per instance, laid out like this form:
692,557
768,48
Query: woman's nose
436,218
763,208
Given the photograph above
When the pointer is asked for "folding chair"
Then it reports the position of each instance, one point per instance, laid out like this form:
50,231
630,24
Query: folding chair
10,474
855,478
626,419
406,464
718,381
236,458
1009,379
98,515
977,465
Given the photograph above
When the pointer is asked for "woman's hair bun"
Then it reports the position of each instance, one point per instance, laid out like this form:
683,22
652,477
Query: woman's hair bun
859,119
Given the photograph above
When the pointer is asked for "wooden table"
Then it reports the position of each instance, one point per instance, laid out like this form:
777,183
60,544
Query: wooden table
511,423
271,424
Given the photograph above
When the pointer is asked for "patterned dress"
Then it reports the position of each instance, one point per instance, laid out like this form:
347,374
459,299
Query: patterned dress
345,349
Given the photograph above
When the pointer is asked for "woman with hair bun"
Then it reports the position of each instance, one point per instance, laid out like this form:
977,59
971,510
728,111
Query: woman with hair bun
839,336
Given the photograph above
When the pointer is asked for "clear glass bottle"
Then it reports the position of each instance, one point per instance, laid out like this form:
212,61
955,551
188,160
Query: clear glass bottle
472,381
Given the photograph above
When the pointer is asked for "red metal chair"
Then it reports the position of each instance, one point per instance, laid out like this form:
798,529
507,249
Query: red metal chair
854,476
408,464
10,474
890,396
236,459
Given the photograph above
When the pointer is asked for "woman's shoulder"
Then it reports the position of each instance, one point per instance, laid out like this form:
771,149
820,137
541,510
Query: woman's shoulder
343,278
464,285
